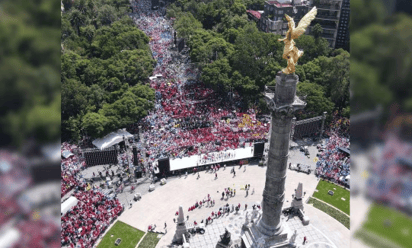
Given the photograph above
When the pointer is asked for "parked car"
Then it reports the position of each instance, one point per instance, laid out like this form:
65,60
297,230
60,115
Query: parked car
300,168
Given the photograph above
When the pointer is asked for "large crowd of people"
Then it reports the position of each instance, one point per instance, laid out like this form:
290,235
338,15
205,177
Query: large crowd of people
188,119
70,168
390,173
334,161
334,164
83,224
38,233
15,179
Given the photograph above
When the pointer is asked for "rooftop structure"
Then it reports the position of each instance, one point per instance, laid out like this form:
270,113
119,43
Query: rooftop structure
333,16
273,20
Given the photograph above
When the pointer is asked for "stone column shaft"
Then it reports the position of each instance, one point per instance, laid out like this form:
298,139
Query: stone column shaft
282,106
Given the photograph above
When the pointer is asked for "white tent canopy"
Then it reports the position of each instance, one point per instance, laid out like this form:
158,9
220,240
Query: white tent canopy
68,204
111,139
9,238
52,152
67,154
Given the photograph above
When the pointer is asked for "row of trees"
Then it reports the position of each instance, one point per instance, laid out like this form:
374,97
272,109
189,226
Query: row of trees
381,66
105,63
29,71
234,55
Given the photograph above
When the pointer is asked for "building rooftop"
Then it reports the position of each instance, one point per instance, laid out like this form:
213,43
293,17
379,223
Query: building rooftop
254,13
287,4
278,4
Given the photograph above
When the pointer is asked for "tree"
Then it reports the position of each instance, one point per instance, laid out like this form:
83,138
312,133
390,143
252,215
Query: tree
43,122
131,66
338,76
312,48
217,75
317,30
94,124
312,71
186,25
249,47
77,19
74,99
316,101
88,32
238,8
106,15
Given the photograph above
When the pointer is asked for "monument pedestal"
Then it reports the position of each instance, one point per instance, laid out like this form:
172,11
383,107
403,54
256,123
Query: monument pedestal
254,238
297,204
220,245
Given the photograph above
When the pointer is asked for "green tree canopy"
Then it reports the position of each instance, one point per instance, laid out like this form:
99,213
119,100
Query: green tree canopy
186,25
316,101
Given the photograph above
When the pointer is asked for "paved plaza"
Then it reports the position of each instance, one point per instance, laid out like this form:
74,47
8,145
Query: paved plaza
160,206
213,232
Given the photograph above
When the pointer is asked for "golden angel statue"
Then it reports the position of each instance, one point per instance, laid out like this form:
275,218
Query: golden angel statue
290,52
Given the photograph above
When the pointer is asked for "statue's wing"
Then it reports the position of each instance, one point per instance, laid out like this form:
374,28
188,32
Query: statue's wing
291,22
304,23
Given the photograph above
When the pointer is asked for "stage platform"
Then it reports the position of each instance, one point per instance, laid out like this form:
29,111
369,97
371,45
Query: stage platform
196,160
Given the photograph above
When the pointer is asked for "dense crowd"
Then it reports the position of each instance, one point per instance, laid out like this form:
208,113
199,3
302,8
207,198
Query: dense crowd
14,180
37,233
70,168
333,163
83,224
391,172
188,119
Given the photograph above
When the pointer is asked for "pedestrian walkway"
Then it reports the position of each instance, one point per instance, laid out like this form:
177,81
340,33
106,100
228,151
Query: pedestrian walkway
161,205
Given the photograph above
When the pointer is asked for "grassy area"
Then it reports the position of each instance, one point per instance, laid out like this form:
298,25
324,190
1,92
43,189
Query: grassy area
339,216
149,241
371,239
335,200
390,224
130,236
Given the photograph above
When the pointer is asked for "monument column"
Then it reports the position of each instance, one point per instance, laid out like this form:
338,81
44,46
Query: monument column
282,104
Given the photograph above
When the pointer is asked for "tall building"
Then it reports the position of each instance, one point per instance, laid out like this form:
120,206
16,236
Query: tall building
333,16
342,40
273,19
329,14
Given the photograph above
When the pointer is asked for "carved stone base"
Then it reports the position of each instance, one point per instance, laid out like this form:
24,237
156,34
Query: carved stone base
220,245
253,237
297,204
180,231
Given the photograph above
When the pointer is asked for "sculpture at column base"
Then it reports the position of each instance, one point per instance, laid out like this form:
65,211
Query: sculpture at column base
181,229
225,241
297,200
